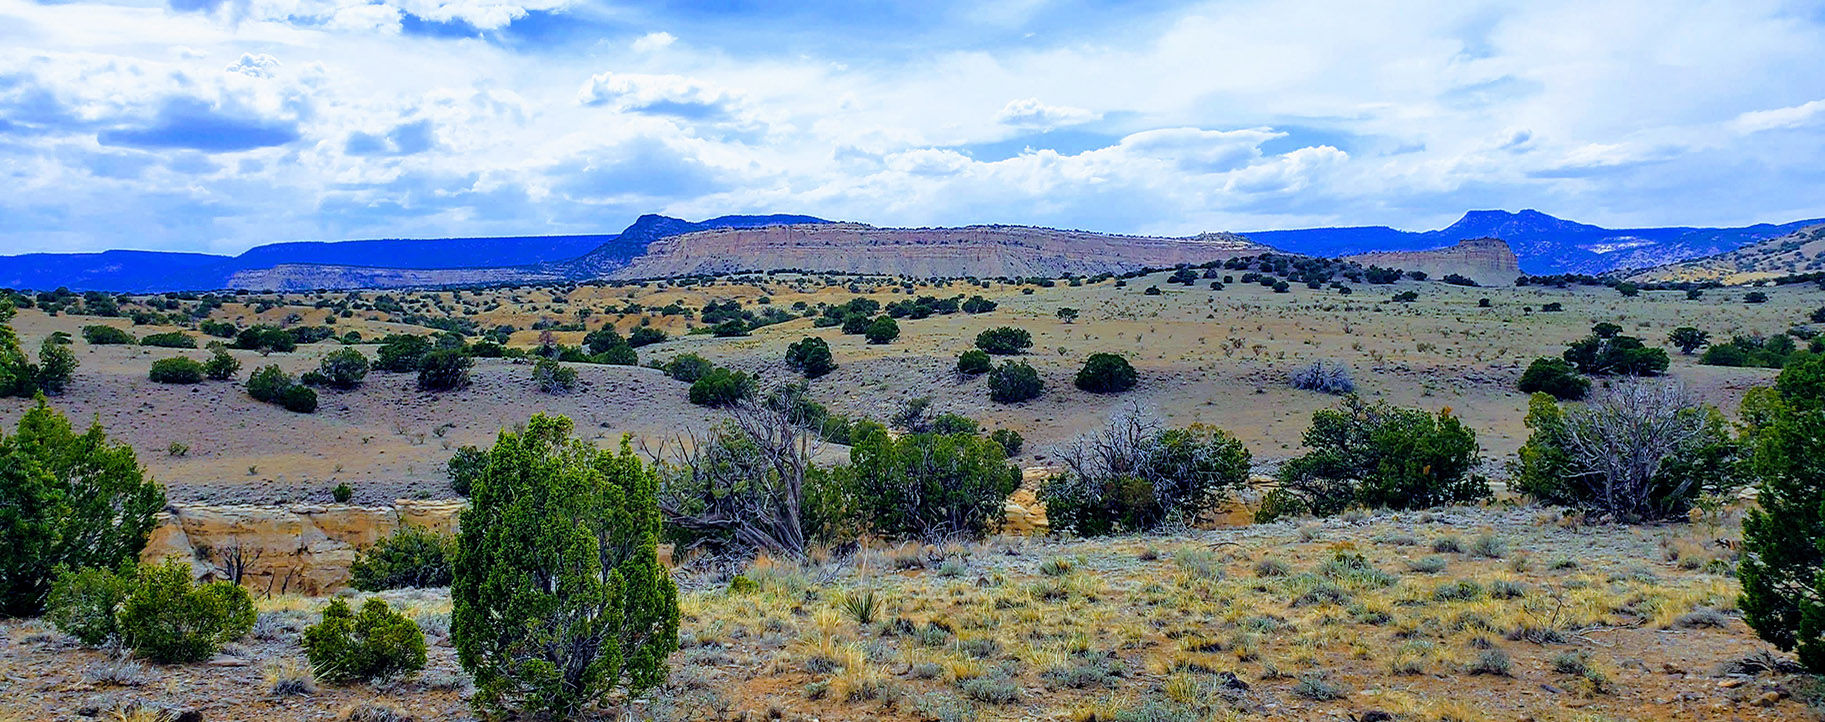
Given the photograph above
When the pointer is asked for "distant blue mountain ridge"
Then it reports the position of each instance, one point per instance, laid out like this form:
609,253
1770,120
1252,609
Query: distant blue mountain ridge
158,271
1544,244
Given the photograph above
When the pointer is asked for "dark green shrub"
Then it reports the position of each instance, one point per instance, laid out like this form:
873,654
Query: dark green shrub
221,366
343,368
106,336
622,355
268,383
559,598
265,339
1014,382
1688,339
342,493
810,356
925,485
603,339
1556,377
401,353
66,500
1004,341
411,557
167,618
176,370
1753,351
973,361
855,324
1606,352
56,366
298,398
1783,563
83,603
1010,441
1633,452
883,329
170,339
1135,475
1755,297
1106,373
348,646
444,370
949,423
553,378
1376,455
464,467
721,387
688,367
645,336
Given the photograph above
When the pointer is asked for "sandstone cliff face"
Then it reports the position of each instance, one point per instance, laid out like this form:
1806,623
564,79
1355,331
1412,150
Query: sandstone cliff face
982,251
303,549
1488,261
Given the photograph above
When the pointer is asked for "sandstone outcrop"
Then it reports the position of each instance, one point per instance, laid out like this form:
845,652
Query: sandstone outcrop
981,251
1488,261
304,549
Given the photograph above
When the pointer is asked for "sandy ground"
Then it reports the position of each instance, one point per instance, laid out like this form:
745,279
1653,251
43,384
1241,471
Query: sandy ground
1209,357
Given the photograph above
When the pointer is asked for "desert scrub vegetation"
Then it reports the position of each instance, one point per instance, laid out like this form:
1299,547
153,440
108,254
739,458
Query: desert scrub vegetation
1136,475
1783,565
1326,377
585,521
1106,373
1004,341
272,385
410,557
1013,382
176,370
156,611
18,376
1634,451
1379,456
552,377
73,501
376,642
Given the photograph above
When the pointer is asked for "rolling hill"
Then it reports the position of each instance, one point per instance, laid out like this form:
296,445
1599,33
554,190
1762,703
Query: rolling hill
1802,251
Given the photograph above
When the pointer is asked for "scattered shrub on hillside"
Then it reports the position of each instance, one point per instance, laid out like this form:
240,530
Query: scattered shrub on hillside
555,508
1004,341
928,485
883,329
553,378
747,484
69,500
810,356
401,353
348,646
342,492
176,370
169,339
1014,382
464,467
1458,280
268,383
56,366
1135,475
411,557
1688,339
1377,455
298,398
1784,531
1753,351
721,387
99,335
1010,441
688,367
1755,297
1606,352
973,361
1323,376
83,603
343,368
166,618
221,366
1106,373
444,370
1556,377
265,339
645,336
1634,452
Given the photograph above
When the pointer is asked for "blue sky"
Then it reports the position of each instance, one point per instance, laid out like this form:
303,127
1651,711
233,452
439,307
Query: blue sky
215,125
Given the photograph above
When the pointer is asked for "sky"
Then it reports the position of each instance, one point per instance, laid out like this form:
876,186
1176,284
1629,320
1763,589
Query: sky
217,125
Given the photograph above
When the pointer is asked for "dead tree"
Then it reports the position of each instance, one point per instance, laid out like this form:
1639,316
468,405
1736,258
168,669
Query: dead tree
1622,439
743,479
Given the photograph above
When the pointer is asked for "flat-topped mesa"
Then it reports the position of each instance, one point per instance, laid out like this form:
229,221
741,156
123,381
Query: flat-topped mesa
979,251
1488,261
